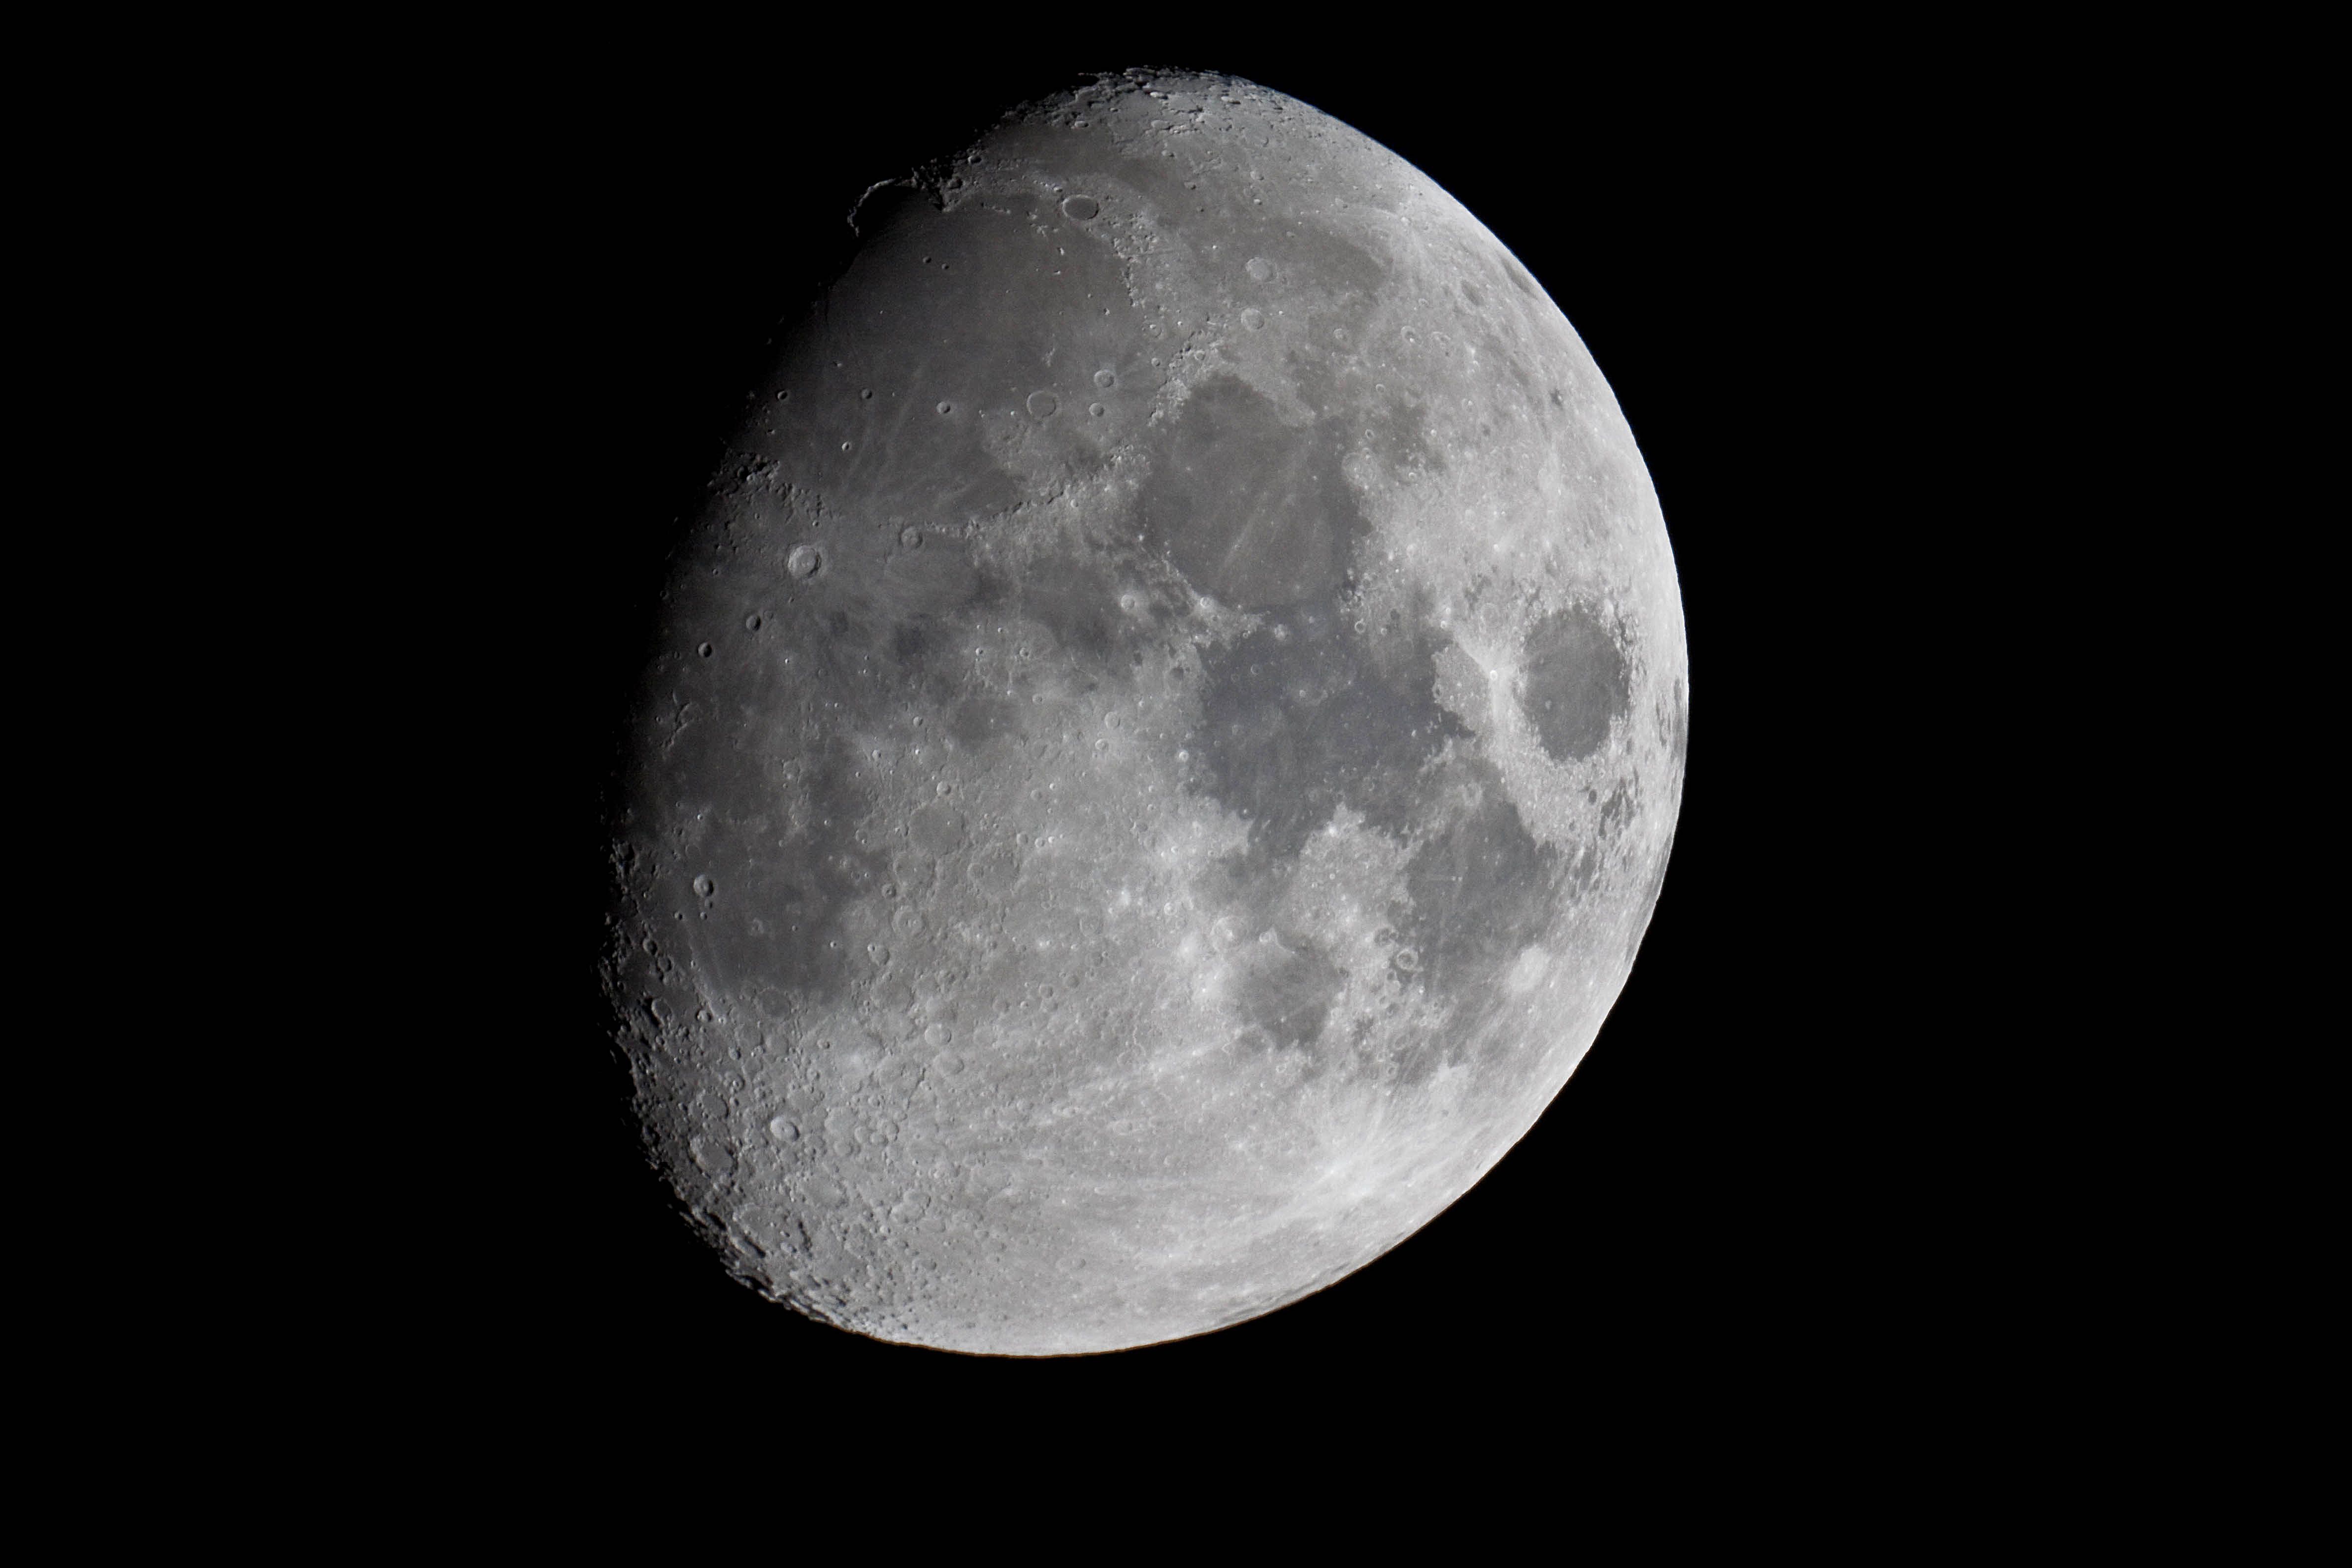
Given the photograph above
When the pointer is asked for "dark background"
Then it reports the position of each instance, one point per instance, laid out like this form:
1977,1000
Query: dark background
1737,1190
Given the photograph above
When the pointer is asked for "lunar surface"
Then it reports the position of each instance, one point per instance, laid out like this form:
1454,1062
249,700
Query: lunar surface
1162,746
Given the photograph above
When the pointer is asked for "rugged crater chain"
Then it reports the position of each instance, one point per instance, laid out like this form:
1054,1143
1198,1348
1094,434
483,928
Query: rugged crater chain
1162,745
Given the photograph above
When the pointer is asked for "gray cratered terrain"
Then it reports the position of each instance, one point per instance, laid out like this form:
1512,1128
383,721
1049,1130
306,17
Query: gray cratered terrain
1162,745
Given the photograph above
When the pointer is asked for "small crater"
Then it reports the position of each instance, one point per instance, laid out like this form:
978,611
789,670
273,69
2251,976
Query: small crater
1254,319
1042,405
803,562
1105,379
1083,209
1259,267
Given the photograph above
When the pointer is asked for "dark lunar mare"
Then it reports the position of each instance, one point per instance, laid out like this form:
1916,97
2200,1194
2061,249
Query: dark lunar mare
1295,724
1577,682
1248,507
1481,889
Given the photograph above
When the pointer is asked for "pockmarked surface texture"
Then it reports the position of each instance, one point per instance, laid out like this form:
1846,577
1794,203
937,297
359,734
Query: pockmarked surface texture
1163,744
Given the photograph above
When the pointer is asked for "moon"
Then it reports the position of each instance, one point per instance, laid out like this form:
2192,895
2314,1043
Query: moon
1160,748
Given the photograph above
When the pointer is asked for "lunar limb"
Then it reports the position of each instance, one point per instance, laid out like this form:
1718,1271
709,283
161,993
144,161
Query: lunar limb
1162,745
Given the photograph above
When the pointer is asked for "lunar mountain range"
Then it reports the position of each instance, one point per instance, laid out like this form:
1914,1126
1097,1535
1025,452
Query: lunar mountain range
1160,748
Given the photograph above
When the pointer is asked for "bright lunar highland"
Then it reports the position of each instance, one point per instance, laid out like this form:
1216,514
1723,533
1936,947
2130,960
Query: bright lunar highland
1160,748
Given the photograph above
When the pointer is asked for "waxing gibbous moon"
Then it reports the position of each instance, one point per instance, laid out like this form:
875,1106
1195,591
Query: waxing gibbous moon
1161,746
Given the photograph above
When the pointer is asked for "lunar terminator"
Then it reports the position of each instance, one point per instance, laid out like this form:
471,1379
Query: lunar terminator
1161,746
